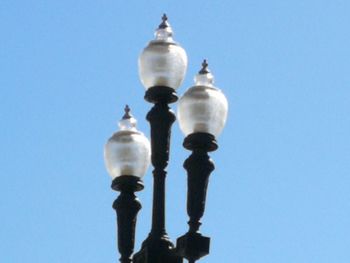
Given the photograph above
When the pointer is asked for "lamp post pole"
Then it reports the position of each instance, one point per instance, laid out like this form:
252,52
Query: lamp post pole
202,113
158,247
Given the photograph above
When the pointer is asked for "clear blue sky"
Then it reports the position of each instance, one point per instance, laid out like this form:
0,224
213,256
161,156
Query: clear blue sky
281,190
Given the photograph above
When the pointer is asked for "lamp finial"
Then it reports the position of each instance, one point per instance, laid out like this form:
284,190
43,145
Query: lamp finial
164,23
204,69
127,114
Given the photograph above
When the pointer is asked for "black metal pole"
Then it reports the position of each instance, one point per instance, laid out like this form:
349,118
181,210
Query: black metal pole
193,245
127,206
158,248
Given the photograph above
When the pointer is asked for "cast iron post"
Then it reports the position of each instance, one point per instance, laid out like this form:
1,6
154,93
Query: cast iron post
158,248
193,245
127,206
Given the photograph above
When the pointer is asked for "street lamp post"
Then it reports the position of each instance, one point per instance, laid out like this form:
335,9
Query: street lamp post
202,113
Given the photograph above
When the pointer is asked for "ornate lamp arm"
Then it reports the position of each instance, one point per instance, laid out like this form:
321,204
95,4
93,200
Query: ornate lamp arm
127,156
127,206
193,245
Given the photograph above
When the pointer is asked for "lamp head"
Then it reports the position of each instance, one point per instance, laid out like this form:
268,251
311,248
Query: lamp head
163,62
203,108
127,152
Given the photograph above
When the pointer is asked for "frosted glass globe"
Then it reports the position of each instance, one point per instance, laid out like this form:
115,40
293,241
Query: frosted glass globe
203,107
163,62
127,152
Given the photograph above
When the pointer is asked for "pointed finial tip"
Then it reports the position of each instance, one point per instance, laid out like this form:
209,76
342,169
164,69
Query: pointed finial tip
127,114
127,108
164,23
204,69
205,63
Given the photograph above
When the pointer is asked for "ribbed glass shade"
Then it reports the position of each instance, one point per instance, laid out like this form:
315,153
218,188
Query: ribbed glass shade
203,107
127,152
163,62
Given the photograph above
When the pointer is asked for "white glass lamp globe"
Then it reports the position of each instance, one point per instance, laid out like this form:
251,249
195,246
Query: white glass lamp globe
203,107
127,152
163,62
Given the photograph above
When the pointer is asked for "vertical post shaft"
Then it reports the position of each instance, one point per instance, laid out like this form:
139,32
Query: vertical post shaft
161,119
158,248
